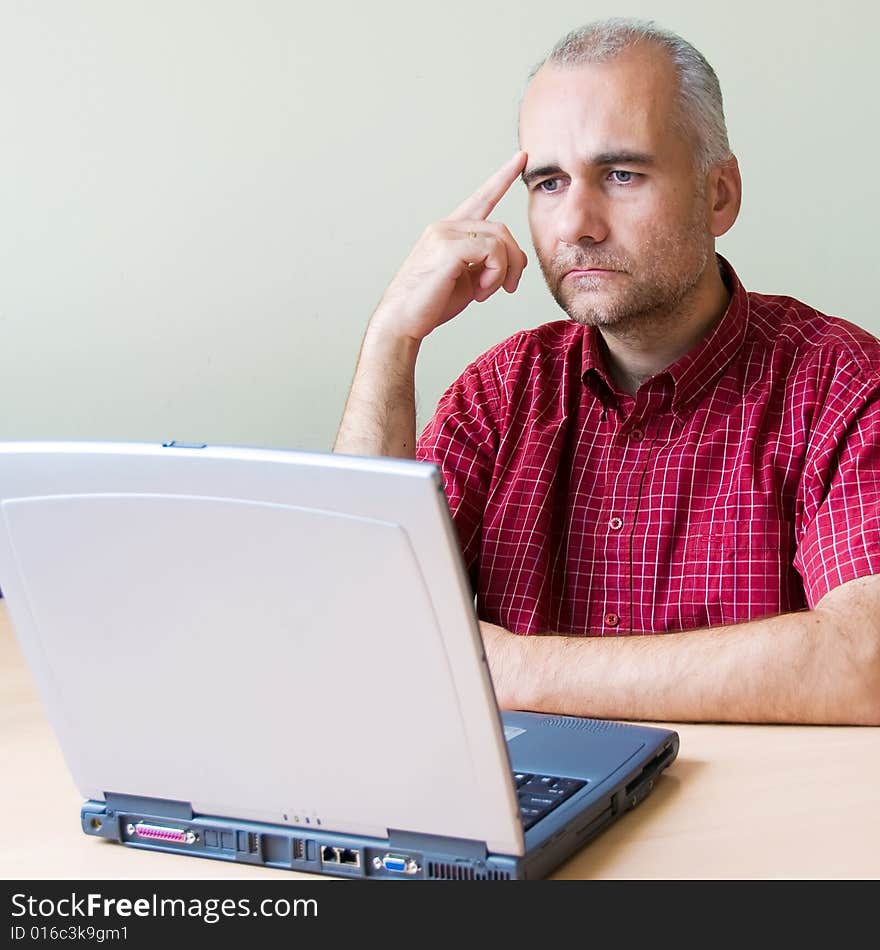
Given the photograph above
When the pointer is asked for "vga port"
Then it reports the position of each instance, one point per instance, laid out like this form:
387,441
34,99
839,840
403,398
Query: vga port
399,864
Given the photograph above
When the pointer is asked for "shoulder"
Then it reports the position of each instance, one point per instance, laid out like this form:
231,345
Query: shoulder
550,347
809,337
527,367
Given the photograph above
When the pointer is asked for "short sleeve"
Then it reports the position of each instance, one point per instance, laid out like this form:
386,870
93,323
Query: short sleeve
462,438
839,497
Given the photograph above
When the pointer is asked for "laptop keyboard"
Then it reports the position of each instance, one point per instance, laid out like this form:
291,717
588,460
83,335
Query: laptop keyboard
540,794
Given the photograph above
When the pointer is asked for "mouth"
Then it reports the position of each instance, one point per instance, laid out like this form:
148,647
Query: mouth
579,272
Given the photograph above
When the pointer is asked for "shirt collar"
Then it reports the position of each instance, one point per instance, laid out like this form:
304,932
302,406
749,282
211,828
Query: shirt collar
692,373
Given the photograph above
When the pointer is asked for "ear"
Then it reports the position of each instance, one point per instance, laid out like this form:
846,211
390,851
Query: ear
725,194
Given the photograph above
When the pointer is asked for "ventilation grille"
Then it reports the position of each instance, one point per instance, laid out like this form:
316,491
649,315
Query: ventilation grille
583,725
440,870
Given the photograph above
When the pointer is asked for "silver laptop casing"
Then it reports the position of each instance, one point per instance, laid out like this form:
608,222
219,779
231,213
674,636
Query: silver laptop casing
281,639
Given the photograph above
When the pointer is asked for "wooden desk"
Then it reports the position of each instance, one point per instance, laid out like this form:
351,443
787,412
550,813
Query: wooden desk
740,802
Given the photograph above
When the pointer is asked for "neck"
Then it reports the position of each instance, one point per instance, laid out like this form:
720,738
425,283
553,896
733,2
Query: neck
641,350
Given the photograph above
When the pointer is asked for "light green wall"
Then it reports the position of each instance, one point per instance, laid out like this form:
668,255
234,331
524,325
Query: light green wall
201,201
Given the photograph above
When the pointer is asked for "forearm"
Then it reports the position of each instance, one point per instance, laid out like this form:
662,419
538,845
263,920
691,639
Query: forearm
808,667
380,413
459,260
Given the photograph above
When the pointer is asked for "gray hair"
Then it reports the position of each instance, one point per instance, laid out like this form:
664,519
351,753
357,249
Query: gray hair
701,110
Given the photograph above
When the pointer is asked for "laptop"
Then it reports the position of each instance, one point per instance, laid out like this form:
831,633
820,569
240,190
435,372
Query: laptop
273,657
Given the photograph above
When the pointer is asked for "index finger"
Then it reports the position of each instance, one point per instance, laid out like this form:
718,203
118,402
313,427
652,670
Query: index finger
480,204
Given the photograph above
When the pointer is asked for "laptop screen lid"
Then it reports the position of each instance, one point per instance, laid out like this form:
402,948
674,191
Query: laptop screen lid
286,637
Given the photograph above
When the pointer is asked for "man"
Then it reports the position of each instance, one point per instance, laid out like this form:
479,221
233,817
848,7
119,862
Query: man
680,457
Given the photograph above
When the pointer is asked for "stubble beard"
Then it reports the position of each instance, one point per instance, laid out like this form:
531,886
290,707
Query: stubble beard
653,291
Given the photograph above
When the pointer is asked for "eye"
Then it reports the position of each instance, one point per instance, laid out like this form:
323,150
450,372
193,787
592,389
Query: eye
548,186
623,177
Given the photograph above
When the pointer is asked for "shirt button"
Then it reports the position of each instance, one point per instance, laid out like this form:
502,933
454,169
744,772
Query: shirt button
611,619
637,435
616,523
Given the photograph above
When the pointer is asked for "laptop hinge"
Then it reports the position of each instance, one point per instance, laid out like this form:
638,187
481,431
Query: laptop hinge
438,844
157,807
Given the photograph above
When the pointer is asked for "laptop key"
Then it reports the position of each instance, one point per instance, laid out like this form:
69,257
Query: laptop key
538,801
529,816
536,787
568,786
538,795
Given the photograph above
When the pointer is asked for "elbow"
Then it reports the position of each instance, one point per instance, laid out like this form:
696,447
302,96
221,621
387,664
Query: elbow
860,702
847,660
866,713
868,709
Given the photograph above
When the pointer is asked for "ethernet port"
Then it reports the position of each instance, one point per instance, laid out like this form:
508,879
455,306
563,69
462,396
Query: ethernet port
350,856
329,855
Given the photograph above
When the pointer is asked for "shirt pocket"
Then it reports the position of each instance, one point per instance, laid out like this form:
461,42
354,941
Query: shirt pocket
738,570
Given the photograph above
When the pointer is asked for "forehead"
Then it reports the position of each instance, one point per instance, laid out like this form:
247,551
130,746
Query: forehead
626,102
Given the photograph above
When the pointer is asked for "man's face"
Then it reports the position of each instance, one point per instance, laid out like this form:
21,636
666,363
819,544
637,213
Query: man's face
617,209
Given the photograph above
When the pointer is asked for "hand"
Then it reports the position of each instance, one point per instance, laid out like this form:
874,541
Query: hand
462,258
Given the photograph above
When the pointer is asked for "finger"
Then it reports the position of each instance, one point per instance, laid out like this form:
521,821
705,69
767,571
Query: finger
479,237
492,268
481,203
516,258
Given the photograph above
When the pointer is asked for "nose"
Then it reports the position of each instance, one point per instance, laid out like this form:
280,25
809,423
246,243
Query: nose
582,216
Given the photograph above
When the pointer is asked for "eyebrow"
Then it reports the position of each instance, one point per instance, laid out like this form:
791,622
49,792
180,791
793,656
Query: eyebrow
601,159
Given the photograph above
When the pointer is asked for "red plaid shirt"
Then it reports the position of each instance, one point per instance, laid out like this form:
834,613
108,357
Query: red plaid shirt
742,481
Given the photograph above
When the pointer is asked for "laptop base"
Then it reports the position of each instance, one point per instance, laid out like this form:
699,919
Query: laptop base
152,826
160,825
